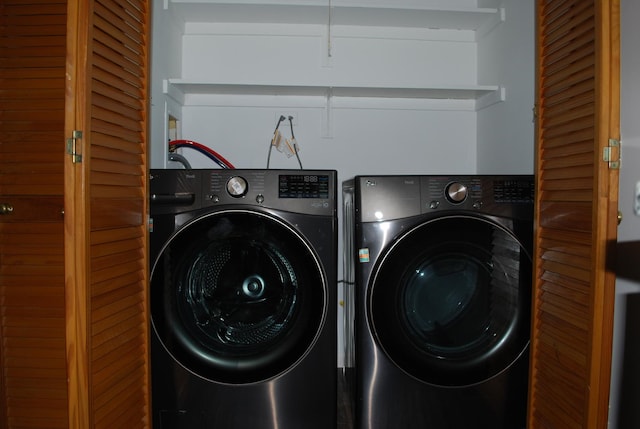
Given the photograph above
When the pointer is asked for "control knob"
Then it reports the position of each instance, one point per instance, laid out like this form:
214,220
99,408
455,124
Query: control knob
456,192
237,187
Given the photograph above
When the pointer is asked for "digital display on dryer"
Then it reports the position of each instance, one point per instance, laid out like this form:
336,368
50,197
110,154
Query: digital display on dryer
303,186
513,191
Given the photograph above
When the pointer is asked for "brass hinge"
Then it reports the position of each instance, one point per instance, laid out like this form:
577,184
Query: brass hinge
72,146
611,154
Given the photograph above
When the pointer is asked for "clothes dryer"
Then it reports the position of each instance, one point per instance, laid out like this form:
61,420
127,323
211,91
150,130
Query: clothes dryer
443,271
243,299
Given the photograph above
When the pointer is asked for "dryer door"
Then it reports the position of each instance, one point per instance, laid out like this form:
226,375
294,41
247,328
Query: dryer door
449,300
237,297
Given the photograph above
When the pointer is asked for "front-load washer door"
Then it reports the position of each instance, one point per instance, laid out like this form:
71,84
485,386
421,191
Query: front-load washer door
237,297
448,301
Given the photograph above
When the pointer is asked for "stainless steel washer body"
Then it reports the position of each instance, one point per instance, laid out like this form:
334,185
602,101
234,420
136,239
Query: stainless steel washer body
243,298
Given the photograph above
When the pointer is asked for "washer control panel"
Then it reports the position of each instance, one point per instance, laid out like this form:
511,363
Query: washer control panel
303,191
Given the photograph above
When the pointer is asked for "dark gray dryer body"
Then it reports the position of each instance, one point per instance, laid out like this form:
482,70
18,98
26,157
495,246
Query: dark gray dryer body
441,267
243,299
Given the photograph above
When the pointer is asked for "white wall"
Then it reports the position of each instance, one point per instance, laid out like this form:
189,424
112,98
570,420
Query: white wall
166,51
355,135
506,130
625,376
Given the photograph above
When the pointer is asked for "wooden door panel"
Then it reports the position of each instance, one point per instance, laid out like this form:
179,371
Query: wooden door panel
106,240
26,208
96,339
33,381
578,67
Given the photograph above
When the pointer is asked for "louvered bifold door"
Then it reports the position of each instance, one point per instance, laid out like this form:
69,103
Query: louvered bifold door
576,208
33,376
106,182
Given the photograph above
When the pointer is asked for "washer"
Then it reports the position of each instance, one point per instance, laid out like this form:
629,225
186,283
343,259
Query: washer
442,275
243,299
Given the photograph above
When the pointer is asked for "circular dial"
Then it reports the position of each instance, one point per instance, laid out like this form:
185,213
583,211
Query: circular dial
237,186
456,192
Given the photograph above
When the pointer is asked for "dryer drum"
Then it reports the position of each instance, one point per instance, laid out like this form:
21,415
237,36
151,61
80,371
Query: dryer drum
448,300
237,297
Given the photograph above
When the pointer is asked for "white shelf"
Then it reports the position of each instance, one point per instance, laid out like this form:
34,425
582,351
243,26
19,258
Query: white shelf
345,12
340,85
455,92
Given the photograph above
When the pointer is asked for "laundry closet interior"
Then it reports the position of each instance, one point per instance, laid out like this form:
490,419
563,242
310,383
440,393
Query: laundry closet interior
374,87
409,87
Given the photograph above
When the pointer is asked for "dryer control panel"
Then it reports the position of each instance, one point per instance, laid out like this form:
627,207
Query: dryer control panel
395,197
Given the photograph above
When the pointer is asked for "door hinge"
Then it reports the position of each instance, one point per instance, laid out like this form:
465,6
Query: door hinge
72,146
611,154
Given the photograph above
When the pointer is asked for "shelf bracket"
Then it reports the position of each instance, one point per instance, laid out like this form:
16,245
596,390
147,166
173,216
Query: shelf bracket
494,97
327,39
491,24
327,115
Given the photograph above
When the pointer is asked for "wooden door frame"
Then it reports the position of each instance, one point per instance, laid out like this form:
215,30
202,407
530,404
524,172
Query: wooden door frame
76,215
606,210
